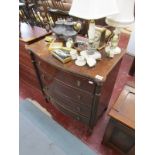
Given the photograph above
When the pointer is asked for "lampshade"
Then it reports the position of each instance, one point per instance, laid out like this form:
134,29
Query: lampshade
93,9
125,16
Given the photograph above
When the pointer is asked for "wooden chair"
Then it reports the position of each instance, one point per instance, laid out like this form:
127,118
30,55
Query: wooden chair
28,13
22,15
42,8
58,4
57,10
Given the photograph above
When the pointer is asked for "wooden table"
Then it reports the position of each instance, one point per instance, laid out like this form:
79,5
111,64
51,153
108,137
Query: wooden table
120,132
81,92
28,36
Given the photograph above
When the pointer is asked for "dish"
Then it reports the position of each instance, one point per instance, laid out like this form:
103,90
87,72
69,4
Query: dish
96,55
80,63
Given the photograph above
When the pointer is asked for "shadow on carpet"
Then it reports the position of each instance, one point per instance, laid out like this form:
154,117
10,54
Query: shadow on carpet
41,135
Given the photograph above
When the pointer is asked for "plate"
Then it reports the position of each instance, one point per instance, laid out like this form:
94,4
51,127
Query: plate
80,63
96,55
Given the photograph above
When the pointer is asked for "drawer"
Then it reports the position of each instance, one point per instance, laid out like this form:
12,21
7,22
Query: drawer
46,78
45,67
72,94
69,104
69,112
69,78
77,81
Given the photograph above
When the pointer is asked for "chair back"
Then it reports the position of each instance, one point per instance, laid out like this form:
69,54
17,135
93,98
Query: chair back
28,13
58,4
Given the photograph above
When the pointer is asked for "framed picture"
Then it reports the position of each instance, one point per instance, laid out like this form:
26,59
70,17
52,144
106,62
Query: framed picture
101,36
98,33
62,54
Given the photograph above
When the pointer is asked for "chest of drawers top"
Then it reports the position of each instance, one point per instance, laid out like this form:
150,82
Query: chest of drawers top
102,68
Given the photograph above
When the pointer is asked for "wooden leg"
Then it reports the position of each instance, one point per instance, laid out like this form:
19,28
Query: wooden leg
89,131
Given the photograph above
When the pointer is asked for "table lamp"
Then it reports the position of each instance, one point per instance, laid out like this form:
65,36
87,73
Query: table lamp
123,19
91,10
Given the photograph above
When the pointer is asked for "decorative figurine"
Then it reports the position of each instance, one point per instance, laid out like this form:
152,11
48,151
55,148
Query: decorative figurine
64,29
69,43
113,48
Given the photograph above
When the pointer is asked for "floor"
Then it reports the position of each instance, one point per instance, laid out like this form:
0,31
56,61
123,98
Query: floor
45,137
79,130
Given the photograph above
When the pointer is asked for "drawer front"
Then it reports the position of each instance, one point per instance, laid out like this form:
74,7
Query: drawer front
46,78
77,82
68,78
72,94
69,104
69,112
45,67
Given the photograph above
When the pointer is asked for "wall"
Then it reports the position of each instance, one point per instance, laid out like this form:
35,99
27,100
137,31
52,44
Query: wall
131,44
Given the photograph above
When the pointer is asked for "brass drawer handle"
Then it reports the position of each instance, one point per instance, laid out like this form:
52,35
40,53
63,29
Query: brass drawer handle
39,63
45,88
78,118
49,98
78,83
78,109
79,97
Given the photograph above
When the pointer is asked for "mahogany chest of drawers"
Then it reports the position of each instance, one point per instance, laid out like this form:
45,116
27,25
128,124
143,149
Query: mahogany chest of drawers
81,92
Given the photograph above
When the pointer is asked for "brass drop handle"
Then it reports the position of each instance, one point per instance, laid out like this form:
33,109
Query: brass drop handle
45,88
33,61
78,118
78,109
50,97
79,97
78,83
39,63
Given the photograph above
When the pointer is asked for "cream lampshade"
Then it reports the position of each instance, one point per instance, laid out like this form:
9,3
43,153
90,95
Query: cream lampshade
123,19
91,10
